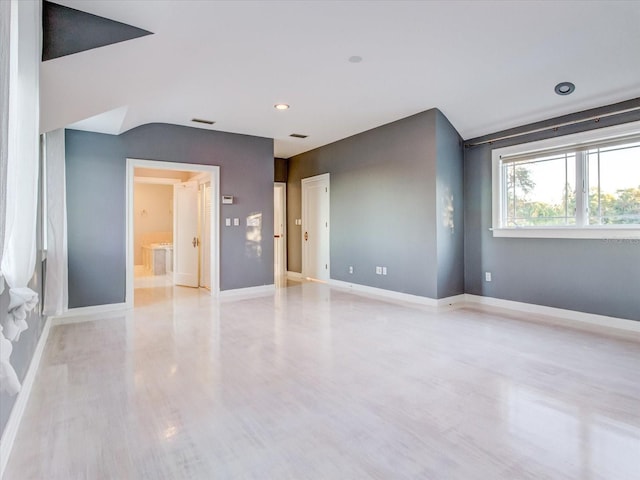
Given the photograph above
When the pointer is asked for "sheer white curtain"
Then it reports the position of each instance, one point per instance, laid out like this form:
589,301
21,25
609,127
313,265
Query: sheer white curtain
56,284
22,162
8,378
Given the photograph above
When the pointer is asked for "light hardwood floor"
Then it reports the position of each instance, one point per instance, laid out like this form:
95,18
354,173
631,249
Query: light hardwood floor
318,383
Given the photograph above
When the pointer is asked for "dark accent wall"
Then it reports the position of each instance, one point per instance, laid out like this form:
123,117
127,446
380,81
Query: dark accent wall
281,170
66,31
384,205
96,176
592,276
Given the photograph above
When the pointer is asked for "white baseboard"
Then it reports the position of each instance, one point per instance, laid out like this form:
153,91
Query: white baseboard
82,314
575,316
403,297
294,276
249,291
11,428
82,311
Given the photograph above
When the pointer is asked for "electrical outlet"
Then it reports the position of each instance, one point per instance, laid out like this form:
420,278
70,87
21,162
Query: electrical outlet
384,270
350,268
487,276
378,270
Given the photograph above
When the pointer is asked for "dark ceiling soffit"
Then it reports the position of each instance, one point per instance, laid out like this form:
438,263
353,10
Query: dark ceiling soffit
67,31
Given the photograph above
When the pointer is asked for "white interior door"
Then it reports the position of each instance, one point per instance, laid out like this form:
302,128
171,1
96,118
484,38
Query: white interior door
279,238
315,227
185,234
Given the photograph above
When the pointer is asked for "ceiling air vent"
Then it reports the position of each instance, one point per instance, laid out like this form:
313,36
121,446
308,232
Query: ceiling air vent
298,135
200,120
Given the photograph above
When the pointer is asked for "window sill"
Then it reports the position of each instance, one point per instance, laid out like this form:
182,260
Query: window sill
601,233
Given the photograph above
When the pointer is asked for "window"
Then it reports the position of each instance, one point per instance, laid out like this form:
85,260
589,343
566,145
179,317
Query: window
585,185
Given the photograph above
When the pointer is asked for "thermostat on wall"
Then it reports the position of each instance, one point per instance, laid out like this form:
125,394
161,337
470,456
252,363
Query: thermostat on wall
226,199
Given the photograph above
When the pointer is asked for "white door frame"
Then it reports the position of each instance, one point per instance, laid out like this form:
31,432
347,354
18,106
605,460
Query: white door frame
214,171
283,187
304,182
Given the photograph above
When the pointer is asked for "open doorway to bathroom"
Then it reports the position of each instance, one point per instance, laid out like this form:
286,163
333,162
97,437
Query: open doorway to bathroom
172,229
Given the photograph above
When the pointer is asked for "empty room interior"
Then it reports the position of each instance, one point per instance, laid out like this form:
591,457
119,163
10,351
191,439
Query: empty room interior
320,239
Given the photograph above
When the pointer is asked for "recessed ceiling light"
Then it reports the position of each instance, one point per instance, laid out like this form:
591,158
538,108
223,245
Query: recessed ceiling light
201,120
565,88
281,106
355,59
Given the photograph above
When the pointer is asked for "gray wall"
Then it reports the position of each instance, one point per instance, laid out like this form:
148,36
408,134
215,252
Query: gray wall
96,175
95,172
383,205
593,276
450,208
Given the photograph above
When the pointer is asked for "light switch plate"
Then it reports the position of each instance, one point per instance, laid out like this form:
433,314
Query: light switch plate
236,222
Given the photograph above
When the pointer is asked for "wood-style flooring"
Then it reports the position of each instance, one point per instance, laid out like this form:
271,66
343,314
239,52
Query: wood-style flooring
317,383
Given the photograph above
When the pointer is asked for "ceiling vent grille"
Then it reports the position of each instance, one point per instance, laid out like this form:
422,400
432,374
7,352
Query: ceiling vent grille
200,120
298,135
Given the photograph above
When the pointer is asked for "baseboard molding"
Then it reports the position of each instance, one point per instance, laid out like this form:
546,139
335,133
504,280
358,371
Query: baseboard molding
95,309
575,317
572,315
84,314
294,276
248,291
403,297
15,418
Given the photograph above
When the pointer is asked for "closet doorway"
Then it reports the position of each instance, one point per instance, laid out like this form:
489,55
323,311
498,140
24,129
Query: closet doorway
172,226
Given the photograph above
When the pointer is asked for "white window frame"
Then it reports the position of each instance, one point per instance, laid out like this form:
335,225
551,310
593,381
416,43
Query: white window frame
569,231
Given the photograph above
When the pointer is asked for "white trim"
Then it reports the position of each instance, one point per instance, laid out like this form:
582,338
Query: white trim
73,313
248,291
599,233
15,418
201,178
214,171
404,297
294,276
283,185
156,180
467,299
565,141
575,316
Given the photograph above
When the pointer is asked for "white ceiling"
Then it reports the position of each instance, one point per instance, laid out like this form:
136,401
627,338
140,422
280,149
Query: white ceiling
487,66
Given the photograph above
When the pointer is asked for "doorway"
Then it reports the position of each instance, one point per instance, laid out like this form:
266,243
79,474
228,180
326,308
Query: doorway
279,234
189,254
315,227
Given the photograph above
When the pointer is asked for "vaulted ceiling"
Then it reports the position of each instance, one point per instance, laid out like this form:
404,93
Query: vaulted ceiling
487,65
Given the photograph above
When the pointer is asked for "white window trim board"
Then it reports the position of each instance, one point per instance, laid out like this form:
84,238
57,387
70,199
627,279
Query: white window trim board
631,232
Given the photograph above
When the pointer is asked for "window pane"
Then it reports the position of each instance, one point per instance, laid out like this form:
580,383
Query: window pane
614,185
541,192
